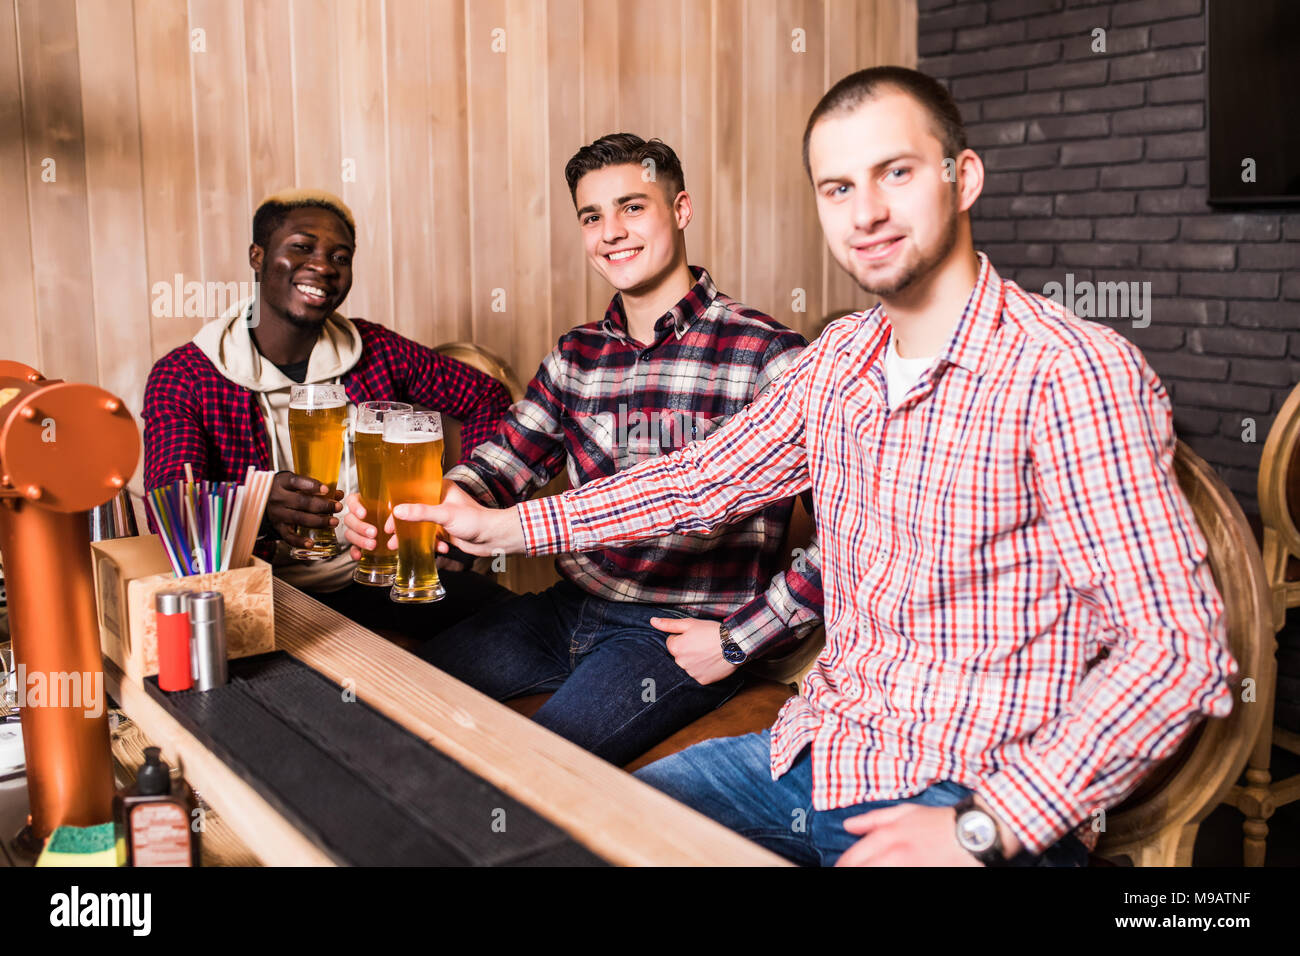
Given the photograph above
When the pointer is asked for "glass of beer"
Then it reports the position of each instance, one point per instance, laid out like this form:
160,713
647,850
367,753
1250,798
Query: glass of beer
413,457
377,567
318,421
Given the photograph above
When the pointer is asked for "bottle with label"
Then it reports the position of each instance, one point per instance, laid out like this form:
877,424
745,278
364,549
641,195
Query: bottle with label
156,817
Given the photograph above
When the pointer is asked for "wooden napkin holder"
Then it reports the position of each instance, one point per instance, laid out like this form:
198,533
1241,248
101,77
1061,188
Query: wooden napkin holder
130,571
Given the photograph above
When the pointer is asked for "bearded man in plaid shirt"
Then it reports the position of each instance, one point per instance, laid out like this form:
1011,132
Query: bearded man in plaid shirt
996,507
631,641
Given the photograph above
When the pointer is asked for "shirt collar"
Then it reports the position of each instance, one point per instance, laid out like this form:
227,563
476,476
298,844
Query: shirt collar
677,319
970,343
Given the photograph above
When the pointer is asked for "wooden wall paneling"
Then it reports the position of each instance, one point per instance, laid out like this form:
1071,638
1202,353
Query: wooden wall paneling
56,187
895,21
650,86
843,56
268,42
600,110
221,145
449,155
316,64
868,26
409,174
763,47
363,127
799,241
528,313
569,266
115,193
168,169
650,89
17,275
492,212
537,213
697,147
729,220
458,152
905,37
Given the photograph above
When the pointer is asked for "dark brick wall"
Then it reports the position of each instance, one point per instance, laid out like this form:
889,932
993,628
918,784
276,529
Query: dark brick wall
1096,166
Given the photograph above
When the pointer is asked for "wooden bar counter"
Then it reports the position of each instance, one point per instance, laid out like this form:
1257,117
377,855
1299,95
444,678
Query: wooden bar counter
601,806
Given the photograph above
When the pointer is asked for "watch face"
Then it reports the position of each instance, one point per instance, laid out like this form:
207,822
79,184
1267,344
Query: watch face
732,652
976,831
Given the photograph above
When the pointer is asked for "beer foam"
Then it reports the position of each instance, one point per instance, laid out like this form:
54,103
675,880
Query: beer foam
413,438
317,407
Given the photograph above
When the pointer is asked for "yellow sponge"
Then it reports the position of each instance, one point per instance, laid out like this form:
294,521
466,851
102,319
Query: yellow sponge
84,846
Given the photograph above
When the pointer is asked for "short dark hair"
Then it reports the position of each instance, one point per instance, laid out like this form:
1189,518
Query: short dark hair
271,215
615,149
850,92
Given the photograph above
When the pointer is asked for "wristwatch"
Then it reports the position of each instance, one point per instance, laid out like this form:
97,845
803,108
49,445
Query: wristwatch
732,651
977,832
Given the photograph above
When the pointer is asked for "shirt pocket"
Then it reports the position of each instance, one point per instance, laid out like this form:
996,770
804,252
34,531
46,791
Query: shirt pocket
590,439
640,439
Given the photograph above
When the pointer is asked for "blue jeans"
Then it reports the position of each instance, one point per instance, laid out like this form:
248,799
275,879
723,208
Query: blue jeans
617,690
730,780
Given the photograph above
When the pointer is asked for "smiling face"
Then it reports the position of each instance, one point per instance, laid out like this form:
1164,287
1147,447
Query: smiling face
631,231
305,272
889,215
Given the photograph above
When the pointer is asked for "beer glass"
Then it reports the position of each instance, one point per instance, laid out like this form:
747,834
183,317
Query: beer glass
318,417
377,567
413,457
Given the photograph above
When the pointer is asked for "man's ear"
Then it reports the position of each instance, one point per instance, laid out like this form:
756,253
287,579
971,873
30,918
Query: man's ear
682,210
970,179
255,253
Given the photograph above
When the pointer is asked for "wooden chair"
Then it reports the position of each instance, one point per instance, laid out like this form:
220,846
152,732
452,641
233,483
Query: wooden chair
1279,506
1157,824
523,573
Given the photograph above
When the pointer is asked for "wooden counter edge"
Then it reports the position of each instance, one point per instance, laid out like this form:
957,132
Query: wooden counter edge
597,803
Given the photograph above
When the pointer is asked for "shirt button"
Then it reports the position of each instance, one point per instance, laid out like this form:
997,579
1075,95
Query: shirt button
887,471
645,354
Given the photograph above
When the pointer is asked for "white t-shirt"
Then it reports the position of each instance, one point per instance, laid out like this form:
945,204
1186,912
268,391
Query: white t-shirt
900,373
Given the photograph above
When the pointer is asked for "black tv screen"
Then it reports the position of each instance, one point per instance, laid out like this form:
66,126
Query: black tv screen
1253,52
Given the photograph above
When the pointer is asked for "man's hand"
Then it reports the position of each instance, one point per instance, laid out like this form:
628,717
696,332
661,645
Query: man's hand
363,535
909,834
357,531
696,645
906,834
298,501
471,527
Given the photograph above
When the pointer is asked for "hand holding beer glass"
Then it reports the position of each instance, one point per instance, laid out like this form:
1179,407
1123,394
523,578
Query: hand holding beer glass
413,458
377,567
317,429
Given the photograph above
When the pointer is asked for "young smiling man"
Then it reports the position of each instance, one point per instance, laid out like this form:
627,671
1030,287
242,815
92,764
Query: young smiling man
221,402
996,507
635,642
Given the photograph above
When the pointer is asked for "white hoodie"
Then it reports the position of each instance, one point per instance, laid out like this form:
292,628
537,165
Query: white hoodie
228,343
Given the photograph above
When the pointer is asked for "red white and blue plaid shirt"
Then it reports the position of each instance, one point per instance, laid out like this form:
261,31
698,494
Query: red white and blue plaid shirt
602,402
982,544
192,413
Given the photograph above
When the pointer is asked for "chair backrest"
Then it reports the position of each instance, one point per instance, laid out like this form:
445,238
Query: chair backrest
475,356
1189,784
1279,494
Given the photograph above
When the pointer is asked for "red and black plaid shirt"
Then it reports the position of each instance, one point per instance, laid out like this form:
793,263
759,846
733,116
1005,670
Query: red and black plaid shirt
601,403
193,413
